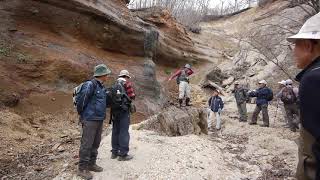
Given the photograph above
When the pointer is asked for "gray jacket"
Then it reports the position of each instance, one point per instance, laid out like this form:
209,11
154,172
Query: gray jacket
241,95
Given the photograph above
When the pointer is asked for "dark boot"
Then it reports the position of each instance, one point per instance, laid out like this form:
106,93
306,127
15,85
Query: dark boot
252,123
95,168
85,174
114,156
188,102
125,158
264,125
180,102
293,129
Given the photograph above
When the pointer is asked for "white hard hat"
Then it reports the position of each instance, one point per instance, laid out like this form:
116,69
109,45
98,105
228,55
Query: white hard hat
187,66
124,73
289,82
310,29
236,83
283,82
263,82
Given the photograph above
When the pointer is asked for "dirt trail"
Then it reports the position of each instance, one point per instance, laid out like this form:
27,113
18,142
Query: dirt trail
239,151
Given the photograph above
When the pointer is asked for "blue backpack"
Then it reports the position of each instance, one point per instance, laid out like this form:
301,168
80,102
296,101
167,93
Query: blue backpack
78,91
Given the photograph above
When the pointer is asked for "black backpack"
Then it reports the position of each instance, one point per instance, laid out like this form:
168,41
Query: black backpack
270,95
288,96
118,97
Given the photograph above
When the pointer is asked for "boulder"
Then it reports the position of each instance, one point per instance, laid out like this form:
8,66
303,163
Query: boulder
175,121
216,75
228,81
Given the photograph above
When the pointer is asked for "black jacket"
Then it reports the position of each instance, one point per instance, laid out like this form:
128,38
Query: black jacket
309,93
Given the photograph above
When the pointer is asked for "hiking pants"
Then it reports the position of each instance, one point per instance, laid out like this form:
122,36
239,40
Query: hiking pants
265,115
307,165
90,142
120,133
184,90
242,109
292,111
212,114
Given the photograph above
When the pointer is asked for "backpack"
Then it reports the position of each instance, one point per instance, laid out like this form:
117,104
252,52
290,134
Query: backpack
118,97
182,77
270,95
77,92
288,96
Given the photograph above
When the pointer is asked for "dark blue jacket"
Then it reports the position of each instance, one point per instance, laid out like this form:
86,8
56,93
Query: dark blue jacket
215,103
261,94
309,94
92,102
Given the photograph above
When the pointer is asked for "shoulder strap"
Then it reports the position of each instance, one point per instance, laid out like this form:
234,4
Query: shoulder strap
211,102
95,83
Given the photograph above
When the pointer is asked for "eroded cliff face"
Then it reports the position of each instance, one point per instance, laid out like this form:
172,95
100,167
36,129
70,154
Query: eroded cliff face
62,40
47,47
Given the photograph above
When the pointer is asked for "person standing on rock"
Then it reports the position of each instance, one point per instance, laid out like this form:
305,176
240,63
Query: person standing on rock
120,114
215,108
264,95
241,96
307,56
182,76
91,106
289,98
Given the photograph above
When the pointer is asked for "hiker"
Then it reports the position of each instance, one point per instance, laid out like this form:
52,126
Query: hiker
182,76
290,100
264,95
288,95
91,106
307,56
289,83
241,96
215,107
282,85
120,116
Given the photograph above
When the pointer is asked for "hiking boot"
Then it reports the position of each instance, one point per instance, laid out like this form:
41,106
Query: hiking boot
188,102
252,123
210,129
125,158
293,129
85,174
114,156
180,102
264,125
95,168
286,126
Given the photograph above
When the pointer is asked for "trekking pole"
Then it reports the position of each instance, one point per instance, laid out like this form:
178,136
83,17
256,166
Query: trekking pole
275,117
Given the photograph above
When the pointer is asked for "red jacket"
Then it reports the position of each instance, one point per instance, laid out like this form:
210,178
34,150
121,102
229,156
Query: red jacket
129,89
178,73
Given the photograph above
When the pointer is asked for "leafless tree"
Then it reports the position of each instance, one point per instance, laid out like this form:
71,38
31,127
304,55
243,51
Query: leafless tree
191,12
311,7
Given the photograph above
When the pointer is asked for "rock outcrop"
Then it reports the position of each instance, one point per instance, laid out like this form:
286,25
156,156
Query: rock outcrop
175,121
175,45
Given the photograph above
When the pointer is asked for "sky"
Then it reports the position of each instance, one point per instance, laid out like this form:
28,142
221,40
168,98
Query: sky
215,3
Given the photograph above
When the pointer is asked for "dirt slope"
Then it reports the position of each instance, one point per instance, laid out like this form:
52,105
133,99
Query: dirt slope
239,151
49,47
